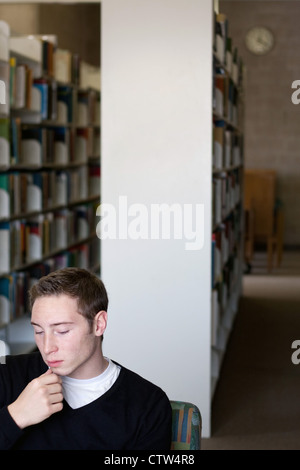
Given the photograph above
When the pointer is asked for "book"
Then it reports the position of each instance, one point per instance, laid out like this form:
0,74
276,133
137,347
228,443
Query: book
27,46
64,104
94,180
83,256
39,270
48,233
219,41
32,144
61,188
4,40
12,80
83,183
228,134
52,100
62,65
15,198
61,145
75,69
228,56
49,43
218,147
235,66
96,143
219,94
34,192
19,298
94,107
5,300
90,76
4,247
16,243
34,239
81,145
82,225
28,89
19,98
40,101
61,228
15,140
4,142
82,109
222,22
4,87
4,195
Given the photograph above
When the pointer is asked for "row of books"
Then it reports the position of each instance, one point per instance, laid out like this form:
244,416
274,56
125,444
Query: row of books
44,99
31,94
15,286
25,192
227,146
39,145
225,240
226,194
221,296
24,241
224,50
54,62
226,99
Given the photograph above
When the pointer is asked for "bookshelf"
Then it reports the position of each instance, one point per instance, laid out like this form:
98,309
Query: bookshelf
49,172
163,118
227,192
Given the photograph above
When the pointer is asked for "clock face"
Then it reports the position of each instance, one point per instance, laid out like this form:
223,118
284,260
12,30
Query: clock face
259,40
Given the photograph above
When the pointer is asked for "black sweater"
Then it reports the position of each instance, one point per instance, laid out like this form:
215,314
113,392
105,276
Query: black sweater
133,414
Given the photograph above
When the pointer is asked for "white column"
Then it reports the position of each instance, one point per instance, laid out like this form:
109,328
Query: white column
156,149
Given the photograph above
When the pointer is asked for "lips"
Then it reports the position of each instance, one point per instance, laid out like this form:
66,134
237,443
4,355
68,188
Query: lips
53,364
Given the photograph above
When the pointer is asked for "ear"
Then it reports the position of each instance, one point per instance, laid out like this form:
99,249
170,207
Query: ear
100,322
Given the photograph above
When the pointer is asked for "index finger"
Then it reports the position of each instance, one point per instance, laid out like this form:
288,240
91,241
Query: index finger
49,377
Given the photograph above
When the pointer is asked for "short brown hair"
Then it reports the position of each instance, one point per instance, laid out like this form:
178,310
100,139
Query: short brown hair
77,283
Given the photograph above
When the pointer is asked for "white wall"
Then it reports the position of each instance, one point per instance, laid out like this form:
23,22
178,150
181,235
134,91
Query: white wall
156,148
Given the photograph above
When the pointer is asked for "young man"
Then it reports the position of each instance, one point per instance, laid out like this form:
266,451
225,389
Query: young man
68,395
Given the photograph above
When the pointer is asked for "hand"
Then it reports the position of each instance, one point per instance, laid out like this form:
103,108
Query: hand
40,399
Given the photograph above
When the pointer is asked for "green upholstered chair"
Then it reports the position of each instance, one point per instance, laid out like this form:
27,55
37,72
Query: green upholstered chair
186,426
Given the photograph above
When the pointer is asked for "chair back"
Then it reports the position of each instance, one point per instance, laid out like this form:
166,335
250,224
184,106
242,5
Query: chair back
186,426
260,194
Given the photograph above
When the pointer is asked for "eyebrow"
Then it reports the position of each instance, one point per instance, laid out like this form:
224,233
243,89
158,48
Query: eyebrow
55,324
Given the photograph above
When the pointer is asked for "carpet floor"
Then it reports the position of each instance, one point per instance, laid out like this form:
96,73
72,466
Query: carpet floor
256,404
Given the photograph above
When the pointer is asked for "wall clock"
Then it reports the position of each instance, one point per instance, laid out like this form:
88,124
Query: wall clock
259,40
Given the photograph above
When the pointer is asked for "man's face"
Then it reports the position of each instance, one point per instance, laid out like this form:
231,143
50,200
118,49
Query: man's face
64,337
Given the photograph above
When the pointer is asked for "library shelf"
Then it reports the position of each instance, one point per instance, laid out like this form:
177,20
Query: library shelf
49,174
227,198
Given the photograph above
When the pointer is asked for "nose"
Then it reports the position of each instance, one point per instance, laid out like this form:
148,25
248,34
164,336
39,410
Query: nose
49,345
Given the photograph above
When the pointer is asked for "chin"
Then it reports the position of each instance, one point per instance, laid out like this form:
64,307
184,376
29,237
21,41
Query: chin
60,370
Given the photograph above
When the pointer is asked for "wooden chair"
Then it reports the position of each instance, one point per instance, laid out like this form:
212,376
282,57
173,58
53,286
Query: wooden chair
267,215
